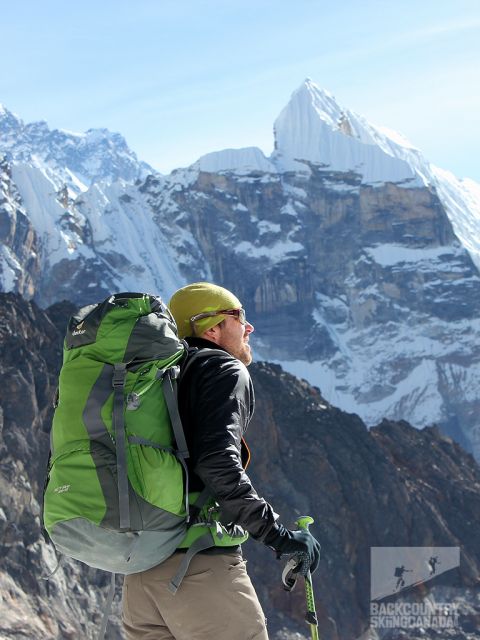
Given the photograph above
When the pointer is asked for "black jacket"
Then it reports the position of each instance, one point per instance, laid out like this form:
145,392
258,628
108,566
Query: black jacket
216,402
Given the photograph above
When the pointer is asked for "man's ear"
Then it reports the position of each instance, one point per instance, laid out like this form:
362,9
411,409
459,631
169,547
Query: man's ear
212,334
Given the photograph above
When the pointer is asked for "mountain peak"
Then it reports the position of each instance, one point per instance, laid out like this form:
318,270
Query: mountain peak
315,130
8,119
308,83
320,99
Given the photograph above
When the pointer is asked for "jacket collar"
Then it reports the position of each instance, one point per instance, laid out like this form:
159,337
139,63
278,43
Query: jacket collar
201,343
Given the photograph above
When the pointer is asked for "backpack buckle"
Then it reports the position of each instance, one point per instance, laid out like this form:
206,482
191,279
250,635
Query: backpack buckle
119,373
174,372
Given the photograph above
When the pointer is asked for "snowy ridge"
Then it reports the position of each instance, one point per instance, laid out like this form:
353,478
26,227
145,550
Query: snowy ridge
242,161
461,199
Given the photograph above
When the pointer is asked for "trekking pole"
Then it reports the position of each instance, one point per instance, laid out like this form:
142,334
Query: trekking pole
311,616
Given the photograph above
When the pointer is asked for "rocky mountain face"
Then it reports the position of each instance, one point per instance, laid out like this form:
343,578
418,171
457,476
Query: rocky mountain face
365,291
392,485
355,258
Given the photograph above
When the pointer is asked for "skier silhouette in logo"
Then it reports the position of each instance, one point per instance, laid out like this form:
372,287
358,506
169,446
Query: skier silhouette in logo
399,571
432,564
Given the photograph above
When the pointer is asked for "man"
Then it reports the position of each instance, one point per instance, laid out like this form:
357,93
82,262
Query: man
216,599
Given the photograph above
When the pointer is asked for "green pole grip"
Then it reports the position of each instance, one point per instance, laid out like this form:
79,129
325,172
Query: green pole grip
304,523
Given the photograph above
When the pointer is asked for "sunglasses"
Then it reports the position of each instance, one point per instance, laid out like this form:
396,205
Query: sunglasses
239,314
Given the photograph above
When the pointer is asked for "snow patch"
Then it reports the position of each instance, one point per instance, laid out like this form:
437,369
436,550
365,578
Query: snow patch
289,210
264,226
281,250
388,255
10,269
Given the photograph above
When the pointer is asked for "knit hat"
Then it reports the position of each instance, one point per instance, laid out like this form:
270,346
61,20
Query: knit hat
200,297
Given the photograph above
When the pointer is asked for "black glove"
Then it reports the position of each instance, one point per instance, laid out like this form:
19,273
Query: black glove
301,544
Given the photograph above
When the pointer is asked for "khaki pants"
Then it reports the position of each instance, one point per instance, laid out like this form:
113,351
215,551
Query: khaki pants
216,601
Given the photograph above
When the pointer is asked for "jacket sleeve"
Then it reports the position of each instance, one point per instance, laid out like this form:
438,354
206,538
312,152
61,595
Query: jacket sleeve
223,407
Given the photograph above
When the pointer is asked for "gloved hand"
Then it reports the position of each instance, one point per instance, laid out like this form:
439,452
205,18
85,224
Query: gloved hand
300,543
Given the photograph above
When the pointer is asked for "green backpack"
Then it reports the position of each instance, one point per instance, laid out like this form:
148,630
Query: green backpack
116,493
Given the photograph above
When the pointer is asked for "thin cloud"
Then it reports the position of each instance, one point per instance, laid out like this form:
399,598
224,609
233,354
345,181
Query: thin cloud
448,28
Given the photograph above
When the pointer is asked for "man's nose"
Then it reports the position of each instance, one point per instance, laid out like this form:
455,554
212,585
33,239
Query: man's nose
249,328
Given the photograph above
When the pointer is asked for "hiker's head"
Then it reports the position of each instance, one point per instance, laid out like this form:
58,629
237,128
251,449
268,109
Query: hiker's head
211,312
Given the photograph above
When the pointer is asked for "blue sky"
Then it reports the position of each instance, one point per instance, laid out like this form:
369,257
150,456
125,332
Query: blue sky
180,79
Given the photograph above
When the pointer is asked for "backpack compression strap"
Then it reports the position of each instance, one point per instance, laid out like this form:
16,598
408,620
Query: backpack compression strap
118,382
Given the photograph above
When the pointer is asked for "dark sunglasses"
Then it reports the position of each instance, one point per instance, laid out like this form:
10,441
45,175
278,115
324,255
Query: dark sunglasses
239,314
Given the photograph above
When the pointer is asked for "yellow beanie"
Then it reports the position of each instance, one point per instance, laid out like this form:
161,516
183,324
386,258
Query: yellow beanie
200,297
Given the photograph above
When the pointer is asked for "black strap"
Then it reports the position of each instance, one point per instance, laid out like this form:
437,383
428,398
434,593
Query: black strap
119,374
170,393
200,544
198,505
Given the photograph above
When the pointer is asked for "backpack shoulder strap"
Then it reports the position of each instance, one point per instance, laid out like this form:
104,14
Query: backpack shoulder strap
170,392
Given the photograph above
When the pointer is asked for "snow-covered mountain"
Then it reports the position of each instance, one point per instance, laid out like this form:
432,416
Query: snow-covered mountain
313,130
74,159
356,259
